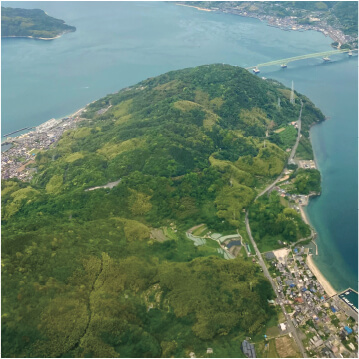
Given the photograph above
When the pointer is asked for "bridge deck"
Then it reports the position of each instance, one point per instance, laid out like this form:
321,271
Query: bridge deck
302,57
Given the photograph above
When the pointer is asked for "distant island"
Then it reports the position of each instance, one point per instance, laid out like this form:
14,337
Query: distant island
32,23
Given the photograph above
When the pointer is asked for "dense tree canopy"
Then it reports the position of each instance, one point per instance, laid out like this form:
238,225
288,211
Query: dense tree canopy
82,273
31,22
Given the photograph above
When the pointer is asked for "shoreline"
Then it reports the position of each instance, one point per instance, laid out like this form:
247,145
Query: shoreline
304,215
320,277
270,20
195,7
33,37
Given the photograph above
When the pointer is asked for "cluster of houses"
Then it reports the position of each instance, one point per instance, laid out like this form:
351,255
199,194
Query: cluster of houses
16,160
329,331
291,22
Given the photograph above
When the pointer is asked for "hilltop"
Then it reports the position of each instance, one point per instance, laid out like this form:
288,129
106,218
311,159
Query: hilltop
33,23
85,273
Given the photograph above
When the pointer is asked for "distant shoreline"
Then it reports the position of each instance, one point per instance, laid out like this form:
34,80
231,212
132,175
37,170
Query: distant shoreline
195,7
31,37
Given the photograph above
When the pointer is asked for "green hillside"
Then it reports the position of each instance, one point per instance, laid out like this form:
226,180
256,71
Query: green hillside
31,22
86,274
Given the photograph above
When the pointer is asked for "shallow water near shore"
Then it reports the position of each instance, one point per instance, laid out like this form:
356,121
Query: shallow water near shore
120,44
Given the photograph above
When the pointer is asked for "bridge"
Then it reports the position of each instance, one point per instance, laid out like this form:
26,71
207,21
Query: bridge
325,55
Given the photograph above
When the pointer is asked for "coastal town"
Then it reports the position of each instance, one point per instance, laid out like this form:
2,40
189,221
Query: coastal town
326,321
327,324
290,18
18,161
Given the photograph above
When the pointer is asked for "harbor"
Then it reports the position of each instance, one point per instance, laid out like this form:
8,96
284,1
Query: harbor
350,298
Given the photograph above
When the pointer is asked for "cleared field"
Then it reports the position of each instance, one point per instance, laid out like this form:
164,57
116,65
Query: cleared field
273,331
288,136
286,347
158,235
200,231
272,352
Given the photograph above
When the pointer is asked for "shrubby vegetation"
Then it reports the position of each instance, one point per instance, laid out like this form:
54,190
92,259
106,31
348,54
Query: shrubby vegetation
272,223
306,181
81,275
31,22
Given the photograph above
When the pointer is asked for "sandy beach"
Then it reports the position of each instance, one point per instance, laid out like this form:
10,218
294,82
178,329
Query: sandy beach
304,216
196,7
325,284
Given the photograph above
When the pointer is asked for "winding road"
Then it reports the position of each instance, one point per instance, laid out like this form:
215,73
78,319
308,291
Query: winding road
291,156
280,296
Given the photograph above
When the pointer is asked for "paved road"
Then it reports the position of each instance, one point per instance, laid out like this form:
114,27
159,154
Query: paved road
280,297
291,156
290,325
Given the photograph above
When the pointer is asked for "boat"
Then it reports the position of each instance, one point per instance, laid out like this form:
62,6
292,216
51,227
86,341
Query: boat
256,70
283,66
326,58
350,53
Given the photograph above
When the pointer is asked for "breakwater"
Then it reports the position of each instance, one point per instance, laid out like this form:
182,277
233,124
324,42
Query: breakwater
21,129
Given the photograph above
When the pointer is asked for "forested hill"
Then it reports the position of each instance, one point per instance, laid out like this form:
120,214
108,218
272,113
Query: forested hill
85,273
31,23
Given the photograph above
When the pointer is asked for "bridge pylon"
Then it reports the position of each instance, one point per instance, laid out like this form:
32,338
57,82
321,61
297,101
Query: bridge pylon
292,101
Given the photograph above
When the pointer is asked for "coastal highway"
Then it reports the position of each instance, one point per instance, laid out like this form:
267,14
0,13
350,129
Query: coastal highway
260,259
291,156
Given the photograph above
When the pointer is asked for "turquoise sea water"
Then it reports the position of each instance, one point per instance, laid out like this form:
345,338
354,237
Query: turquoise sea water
352,297
119,44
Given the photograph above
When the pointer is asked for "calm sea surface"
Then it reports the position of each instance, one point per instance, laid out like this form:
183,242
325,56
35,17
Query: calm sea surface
120,44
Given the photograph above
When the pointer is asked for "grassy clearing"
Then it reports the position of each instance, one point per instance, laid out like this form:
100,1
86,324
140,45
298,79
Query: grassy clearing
81,132
200,231
122,108
304,150
170,233
288,136
281,317
158,235
111,150
185,106
272,350
35,151
269,243
73,157
284,202
273,331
